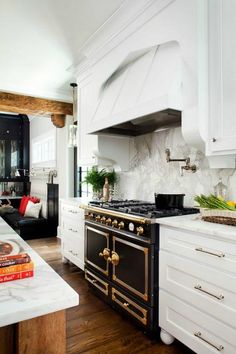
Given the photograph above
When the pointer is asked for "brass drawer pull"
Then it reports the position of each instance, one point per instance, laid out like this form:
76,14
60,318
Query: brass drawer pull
217,347
105,253
114,259
93,279
218,297
126,305
220,254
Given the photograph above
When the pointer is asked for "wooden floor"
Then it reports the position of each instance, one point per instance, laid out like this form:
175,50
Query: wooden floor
93,327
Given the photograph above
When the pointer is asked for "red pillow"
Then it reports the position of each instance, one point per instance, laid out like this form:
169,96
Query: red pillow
23,204
34,200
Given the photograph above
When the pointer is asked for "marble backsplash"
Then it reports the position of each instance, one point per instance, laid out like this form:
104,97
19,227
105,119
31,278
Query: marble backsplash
149,172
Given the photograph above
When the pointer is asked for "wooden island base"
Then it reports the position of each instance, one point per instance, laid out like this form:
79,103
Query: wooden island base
44,334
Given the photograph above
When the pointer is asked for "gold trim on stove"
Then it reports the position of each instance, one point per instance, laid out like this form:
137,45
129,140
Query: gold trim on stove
94,282
116,214
125,306
116,279
107,237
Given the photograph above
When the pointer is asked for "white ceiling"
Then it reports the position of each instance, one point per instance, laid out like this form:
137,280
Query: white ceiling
40,39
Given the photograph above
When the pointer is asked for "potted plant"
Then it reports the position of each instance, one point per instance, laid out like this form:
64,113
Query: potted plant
97,179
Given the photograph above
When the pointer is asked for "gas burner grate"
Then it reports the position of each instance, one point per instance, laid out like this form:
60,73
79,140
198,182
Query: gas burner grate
142,208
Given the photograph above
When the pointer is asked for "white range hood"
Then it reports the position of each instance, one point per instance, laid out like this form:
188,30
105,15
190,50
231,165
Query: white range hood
143,94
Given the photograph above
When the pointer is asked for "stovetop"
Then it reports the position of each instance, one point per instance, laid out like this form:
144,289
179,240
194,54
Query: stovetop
142,208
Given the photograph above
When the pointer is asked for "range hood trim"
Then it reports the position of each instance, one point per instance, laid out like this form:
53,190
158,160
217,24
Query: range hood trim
155,106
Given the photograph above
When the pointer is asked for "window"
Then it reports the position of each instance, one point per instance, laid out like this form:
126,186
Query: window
83,189
44,150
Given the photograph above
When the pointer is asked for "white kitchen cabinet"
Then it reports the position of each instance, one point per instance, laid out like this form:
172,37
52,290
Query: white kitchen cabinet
197,290
72,231
222,77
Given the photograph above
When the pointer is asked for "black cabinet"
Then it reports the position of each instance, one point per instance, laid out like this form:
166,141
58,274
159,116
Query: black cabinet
14,147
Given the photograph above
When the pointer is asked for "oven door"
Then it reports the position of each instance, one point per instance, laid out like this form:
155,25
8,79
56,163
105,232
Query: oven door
97,248
131,266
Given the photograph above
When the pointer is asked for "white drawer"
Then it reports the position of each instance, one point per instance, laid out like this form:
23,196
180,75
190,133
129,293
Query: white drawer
185,323
72,211
200,248
73,249
208,289
71,225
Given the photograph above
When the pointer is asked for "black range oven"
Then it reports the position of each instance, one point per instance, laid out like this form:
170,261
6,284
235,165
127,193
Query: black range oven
121,257
123,265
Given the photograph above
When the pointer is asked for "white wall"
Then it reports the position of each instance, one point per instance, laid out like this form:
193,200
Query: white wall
150,173
64,160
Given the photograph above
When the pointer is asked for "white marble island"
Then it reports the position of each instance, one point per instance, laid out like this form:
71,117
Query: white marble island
35,304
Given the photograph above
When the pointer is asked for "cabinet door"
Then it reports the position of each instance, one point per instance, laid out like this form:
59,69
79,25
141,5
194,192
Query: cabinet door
97,242
222,77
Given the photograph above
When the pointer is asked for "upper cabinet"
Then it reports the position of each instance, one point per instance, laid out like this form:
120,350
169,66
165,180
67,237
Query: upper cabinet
222,77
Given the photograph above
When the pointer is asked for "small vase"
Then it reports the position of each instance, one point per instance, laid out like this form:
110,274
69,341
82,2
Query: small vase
97,195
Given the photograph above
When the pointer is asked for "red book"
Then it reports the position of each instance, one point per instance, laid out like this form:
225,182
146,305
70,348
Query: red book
16,276
11,262
14,256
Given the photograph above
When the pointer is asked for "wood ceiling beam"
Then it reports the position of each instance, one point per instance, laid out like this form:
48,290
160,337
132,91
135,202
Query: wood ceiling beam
10,102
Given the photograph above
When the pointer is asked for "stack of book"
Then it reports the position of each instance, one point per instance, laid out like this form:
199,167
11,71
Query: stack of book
14,267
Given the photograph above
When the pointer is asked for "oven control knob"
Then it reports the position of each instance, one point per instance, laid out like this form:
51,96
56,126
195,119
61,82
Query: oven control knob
140,230
114,223
108,221
121,225
98,218
103,219
90,215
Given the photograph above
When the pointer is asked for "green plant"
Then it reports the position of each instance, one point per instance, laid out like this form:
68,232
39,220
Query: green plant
97,178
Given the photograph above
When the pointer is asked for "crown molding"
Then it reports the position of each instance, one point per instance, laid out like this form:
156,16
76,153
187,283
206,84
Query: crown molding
123,23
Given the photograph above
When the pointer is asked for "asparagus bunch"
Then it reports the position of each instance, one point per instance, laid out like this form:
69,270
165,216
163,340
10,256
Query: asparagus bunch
212,202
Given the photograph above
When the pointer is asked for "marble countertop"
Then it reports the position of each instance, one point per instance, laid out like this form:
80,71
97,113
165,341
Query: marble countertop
194,223
76,201
44,293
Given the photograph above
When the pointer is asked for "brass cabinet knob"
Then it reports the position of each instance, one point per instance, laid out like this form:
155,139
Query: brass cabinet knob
105,253
121,225
98,218
108,221
140,230
114,259
114,223
103,219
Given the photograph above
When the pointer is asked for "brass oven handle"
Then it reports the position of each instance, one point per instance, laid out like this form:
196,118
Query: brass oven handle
115,214
220,254
114,259
217,347
218,297
105,253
